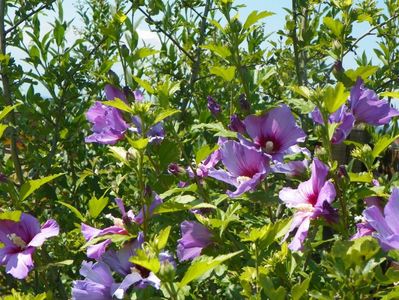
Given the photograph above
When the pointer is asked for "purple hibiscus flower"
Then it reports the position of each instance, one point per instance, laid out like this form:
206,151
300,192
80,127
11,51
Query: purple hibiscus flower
311,200
207,164
237,125
108,124
20,240
245,167
213,106
386,223
343,117
367,107
99,283
89,233
295,167
195,237
155,134
275,131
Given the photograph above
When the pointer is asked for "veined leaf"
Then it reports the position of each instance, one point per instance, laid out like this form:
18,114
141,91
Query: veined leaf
119,104
73,209
382,144
162,238
146,261
144,52
204,152
96,206
335,26
6,110
335,97
11,215
200,267
219,50
364,72
3,127
164,114
227,73
145,84
360,177
301,90
32,185
255,16
138,144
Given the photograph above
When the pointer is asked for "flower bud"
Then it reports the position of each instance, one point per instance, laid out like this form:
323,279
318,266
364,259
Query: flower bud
244,104
213,106
175,169
236,124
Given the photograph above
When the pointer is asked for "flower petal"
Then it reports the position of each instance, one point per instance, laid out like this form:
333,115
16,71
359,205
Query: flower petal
48,229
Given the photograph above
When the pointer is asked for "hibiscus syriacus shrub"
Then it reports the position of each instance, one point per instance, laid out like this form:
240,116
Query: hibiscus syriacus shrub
223,162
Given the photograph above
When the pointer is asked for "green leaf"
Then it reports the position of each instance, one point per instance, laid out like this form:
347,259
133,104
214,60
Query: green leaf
254,17
227,73
73,209
59,33
146,261
300,289
138,144
331,129
32,185
219,50
335,97
115,238
301,90
164,114
11,215
96,206
145,84
360,177
200,267
7,109
119,104
162,238
3,127
204,152
144,52
383,143
218,128
364,72
394,94
335,26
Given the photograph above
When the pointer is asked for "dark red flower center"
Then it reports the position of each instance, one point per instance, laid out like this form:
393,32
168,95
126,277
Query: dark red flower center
270,144
312,199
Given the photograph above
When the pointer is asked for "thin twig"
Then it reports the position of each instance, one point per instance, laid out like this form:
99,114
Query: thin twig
369,33
167,34
33,12
7,95
295,42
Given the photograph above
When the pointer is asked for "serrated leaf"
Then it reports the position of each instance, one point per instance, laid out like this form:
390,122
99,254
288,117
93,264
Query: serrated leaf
219,50
144,52
162,238
7,109
73,209
3,127
301,90
165,114
394,94
32,185
383,143
119,104
200,267
364,72
334,97
96,206
335,26
11,215
145,84
227,73
146,261
138,144
360,177
255,16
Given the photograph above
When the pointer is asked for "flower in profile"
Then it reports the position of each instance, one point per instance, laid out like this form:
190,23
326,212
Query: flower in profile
368,108
99,283
155,134
213,106
236,124
293,168
108,124
139,219
245,167
195,237
20,240
385,223
176,169
112,92
312,199
343,117
275,131
204,166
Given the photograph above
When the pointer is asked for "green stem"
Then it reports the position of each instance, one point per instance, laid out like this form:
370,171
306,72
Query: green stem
257,271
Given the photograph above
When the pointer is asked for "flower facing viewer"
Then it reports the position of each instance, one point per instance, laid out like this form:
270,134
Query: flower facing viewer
20,240
311,200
